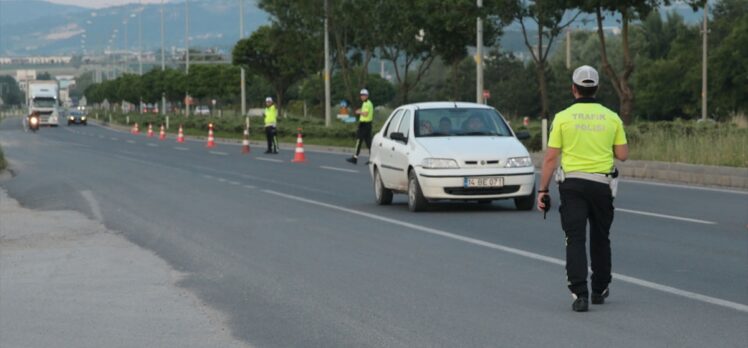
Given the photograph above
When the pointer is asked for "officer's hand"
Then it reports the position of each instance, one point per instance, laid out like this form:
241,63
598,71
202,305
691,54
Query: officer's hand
541,204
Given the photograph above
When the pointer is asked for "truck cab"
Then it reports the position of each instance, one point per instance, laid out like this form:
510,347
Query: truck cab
44,99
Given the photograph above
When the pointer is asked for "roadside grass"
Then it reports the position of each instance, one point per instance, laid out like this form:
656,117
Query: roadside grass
720,144
707,143
3,164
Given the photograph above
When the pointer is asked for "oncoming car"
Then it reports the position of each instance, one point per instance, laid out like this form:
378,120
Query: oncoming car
77,117
450,151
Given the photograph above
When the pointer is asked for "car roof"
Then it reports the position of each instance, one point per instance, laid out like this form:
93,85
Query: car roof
446,104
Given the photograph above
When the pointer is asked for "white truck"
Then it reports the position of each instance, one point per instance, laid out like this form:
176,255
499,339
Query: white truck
44,98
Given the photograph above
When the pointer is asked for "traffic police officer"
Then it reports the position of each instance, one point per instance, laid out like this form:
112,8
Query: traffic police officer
366,115
588,136
271,119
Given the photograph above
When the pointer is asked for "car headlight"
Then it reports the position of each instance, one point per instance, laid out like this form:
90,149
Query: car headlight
517,162
72,118
83,118
439,163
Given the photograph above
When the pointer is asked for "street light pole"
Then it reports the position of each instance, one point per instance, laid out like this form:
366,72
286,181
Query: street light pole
328,120
704,62
243,76
479,59
163,60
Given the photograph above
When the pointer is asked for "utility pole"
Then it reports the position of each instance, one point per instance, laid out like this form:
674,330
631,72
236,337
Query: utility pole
568,48
328,120
243,73
479,59
704,62
140,40
163,60
187,52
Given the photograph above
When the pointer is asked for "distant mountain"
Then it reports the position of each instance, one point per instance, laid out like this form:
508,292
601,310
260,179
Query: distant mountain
69,29
19,11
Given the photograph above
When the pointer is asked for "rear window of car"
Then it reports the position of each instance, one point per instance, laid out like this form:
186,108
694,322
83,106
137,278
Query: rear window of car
459,122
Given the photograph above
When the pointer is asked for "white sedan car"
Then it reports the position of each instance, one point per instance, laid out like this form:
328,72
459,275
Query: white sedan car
450,151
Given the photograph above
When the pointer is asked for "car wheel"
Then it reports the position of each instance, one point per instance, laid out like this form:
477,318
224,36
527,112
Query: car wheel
526,202
381,193
416,201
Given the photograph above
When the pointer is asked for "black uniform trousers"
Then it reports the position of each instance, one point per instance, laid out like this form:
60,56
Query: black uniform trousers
363,135
583,201
272,141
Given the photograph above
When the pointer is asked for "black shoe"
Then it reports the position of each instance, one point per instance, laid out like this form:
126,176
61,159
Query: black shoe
581,304
275,152
353,160
600,298
268,151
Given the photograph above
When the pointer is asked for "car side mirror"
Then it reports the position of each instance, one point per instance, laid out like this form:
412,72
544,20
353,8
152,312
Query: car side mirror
522,135
398,137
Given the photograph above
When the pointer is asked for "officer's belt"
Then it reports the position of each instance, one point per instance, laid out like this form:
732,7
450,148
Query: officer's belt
601,178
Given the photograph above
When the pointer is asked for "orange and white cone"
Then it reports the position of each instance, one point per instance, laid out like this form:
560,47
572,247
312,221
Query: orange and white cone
162,134
180,135
150,130
211,141
299,155
245,142
134,129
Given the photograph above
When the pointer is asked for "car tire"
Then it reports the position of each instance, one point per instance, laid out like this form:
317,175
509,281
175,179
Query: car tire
416,200
382,194
526,202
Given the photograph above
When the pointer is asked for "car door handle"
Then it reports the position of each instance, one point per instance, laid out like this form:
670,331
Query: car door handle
393,148
380,144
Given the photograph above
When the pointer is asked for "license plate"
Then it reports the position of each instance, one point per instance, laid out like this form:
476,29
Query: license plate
484,181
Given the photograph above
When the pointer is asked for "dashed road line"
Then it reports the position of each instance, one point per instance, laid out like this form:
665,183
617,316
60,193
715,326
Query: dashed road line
181,148
671,217
269,159
218,153
339,169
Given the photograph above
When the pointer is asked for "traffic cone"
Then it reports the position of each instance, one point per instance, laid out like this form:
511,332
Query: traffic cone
162,133
150,130
245,142
299,155
180,135
211,141
134,129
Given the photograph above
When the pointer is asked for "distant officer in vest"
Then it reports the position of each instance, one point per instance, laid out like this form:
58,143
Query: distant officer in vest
587,136
271,120
365,116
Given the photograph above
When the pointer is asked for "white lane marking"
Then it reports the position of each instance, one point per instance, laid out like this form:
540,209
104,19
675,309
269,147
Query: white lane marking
671,217
114,139
221,180
208,176
685,187
94,204
249,186
181,148
552,260
339,169
218,153
233,182
152,145
131,141
269,159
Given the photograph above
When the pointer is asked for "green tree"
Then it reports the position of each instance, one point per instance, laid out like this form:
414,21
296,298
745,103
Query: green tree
548,16
728,65
10,92
282,57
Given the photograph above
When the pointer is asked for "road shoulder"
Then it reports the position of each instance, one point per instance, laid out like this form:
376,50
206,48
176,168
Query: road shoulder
67,281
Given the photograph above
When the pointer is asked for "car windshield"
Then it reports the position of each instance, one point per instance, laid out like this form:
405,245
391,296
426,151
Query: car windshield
460,122
44,102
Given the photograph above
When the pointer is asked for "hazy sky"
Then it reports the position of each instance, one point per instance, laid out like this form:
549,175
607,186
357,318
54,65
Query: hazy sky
101,3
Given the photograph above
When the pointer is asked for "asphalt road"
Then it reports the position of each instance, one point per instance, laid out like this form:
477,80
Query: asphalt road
299,254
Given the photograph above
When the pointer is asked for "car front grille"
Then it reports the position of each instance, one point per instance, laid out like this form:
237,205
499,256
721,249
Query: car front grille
477,191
